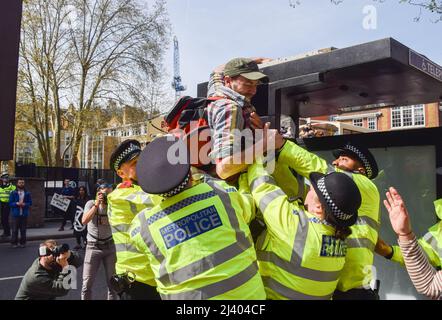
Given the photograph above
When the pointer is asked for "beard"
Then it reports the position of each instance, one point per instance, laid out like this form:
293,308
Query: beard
54,266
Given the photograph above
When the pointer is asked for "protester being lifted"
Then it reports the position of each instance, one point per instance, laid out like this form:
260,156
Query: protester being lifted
232,115
235,83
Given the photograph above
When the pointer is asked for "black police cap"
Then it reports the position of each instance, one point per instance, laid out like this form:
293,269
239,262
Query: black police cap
339,195
125,151
363,155
164,167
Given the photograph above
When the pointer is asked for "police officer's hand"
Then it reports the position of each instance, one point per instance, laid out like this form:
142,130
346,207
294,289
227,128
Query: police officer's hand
273,140
399,217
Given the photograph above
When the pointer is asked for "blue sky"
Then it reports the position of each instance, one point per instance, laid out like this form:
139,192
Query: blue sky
210,32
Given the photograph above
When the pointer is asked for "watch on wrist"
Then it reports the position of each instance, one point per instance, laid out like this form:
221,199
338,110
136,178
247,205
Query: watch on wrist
389,256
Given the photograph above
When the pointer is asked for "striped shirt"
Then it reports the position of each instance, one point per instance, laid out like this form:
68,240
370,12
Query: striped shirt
425,278
226,115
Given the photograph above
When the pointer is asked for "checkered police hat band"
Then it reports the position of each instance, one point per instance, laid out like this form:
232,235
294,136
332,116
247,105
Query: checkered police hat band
129,150
177,189
337,213
363,158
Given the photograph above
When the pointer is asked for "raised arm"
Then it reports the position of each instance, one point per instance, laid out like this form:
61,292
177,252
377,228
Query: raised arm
424,277
301,160
272,201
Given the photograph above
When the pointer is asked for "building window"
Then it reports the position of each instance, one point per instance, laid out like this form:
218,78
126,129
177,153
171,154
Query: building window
372,123
357,122
408,116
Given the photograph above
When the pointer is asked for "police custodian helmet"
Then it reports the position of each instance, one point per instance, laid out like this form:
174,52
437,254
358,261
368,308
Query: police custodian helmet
125,151
363,155
162,171
339,195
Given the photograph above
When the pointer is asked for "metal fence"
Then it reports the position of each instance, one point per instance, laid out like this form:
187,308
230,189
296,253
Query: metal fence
54,177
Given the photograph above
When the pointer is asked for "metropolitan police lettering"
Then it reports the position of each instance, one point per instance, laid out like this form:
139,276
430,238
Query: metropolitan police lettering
333,247
190,226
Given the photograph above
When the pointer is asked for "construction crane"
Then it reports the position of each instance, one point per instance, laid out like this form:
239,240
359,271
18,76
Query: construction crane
177,84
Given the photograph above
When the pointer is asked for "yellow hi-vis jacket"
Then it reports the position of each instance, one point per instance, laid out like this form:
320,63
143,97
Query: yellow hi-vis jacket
5,191
298,255
357,272
290,182
431,242
199,244
124,203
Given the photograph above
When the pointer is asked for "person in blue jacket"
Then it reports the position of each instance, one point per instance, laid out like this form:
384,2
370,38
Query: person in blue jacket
19,202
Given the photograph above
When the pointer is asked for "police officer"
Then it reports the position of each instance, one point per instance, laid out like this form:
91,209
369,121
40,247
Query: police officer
5,190
356,281
125,202
302,252
197,239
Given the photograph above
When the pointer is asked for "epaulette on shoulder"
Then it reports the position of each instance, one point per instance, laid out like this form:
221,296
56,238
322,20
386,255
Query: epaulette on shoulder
125,184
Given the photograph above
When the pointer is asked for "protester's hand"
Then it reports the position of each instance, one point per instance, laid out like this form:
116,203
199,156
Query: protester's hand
399,217
260,60
255,121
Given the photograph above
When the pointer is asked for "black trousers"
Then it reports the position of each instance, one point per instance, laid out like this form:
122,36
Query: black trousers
19,223
5,218
356,294
140,291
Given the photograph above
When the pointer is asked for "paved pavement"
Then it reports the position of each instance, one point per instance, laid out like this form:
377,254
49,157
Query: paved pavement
14,263
49,231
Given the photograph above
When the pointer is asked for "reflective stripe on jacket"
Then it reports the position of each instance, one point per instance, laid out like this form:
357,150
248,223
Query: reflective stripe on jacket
199,244
299,257
5,192
124,204
364,235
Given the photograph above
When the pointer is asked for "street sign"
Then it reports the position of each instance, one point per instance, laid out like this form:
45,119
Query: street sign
425,65
60,202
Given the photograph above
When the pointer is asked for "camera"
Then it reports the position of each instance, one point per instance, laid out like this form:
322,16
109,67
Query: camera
58,250
122,282
55,252
104,196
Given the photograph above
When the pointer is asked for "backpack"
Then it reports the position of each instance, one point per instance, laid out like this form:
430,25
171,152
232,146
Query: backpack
186,110
187,118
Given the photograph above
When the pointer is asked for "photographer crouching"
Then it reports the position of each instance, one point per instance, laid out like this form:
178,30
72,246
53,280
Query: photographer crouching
50,276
